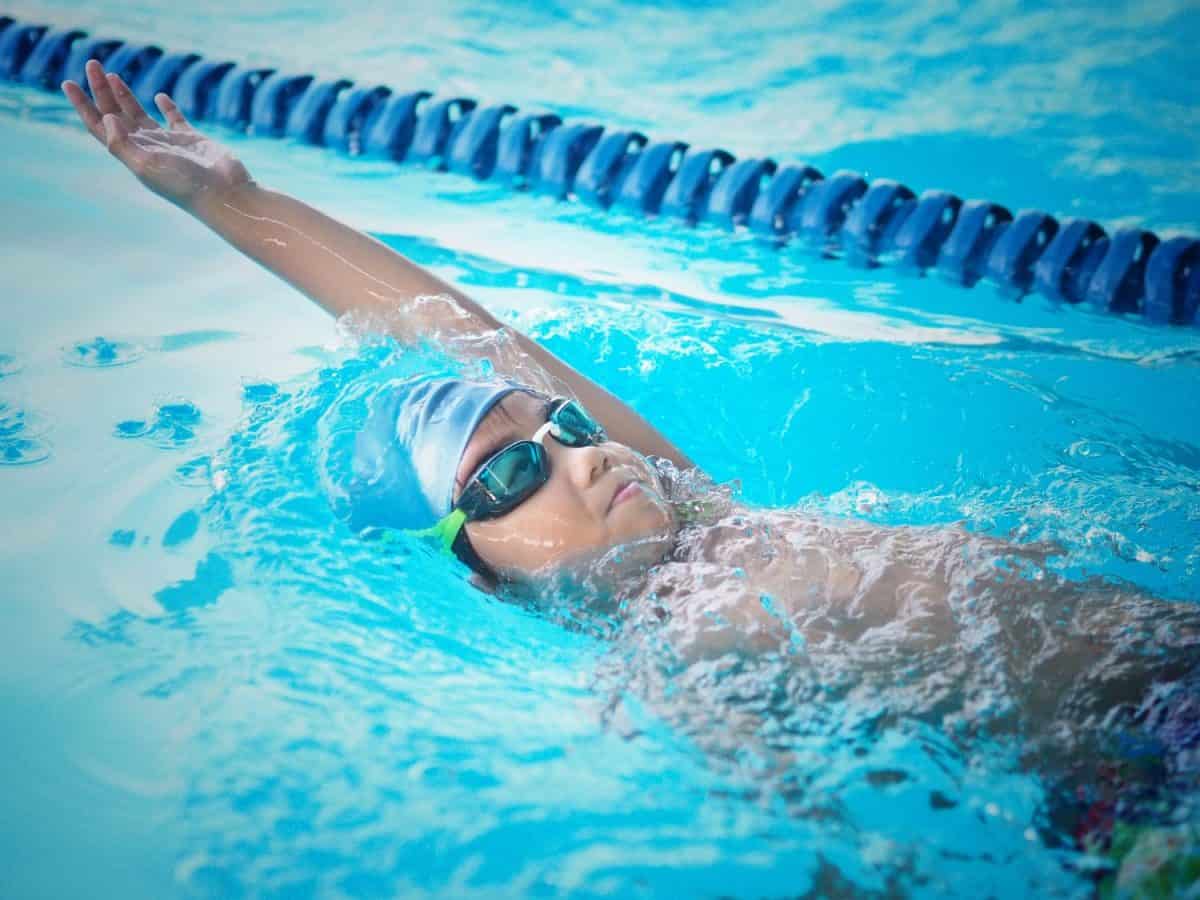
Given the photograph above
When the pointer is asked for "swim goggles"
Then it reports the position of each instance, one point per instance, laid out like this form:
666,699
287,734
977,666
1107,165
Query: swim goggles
513,474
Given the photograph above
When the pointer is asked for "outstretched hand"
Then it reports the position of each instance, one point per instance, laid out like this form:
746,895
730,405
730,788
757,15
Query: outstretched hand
176,162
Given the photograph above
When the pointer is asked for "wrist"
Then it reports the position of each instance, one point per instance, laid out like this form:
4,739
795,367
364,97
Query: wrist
212,204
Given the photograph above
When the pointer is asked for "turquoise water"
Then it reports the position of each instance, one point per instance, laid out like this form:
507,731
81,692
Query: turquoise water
211,690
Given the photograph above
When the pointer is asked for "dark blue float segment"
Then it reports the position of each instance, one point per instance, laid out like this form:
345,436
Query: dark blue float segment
161,76
351,115
99,49
563,151
607,167
1010,264
1190,310
520,144
17,44
306,121
130,61
197,88
979,225
1118,285
1173,281
875,220
474,150
48,59
1065,267
732,197
437,127
274,101
925,229
773,208
389,132
235,95
824,209
688,191
642,191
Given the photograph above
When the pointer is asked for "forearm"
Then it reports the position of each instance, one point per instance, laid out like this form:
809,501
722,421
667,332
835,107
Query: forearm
347,271
340,268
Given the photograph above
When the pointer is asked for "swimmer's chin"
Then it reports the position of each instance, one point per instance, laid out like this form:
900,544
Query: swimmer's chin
616,568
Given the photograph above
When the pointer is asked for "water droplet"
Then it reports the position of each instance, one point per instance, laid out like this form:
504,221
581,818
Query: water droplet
102,353
23,451
12,421
182,530
122,537
194,472
131,428
170,427
259,392
179,412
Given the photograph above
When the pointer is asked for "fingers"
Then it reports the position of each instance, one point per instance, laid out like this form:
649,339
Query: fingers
116,138
128,103
116,135
87,111
101,91
173,116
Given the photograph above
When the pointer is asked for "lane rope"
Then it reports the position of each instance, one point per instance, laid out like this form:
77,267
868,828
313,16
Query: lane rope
1073,261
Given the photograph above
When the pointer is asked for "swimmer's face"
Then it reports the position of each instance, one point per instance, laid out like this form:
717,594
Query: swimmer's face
597,498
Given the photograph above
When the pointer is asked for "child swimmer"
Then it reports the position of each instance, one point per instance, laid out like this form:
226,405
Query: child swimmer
546,472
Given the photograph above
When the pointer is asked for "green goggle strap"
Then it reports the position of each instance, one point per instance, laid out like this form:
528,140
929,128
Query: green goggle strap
446,531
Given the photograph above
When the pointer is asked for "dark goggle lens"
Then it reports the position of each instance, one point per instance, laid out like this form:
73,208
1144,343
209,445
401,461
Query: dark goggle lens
505,481
574,427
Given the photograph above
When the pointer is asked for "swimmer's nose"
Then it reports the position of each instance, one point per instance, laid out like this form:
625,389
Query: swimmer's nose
586,465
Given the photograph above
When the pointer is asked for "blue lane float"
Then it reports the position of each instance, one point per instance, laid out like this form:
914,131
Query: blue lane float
1129,272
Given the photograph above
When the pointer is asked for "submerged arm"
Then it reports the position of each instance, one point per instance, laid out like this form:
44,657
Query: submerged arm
339,267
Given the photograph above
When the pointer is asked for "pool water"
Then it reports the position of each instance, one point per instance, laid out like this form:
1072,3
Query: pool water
210,689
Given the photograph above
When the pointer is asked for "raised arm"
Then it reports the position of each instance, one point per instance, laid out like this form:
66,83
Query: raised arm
339,267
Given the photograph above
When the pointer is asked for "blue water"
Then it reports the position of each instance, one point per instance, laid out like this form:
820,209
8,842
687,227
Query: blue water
210,689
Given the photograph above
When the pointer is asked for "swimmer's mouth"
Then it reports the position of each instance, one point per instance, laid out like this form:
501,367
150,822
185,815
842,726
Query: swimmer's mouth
623,493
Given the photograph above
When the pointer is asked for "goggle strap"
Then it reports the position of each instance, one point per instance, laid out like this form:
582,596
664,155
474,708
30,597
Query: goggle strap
445,531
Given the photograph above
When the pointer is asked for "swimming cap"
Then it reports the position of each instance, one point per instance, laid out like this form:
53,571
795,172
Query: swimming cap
407,454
